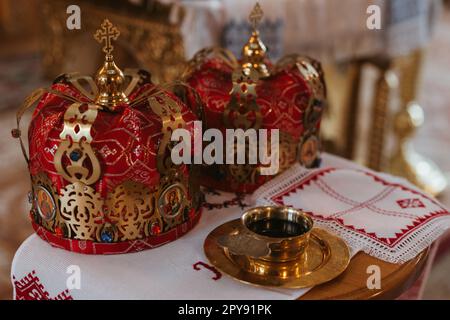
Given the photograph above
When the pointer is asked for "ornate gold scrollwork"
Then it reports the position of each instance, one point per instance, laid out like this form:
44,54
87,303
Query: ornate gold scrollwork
27,104
81,211
287,156
78,82
131,207
311,71
254,51
242,111
172,196
76,147
243,173
170,113
87,86
129,212
288,151
76,162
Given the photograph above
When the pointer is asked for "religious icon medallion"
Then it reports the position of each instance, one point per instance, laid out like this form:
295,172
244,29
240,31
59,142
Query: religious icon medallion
45,204
309,151
172,201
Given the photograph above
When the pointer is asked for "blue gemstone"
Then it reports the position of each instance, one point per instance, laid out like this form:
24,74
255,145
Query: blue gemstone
75,155
106,236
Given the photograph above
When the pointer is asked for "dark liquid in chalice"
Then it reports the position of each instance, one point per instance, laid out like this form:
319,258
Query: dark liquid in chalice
277,228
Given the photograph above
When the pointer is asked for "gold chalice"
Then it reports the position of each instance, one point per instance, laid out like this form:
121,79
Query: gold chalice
272,241
276,247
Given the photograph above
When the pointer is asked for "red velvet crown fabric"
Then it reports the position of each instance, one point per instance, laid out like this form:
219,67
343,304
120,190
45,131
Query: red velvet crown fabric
126,141
283,99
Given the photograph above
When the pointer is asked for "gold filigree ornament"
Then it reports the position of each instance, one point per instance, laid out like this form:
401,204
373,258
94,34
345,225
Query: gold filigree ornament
244,173
81,211
172,196
309,146
254,51
131,211
288,151
242,111
131,208
170,113
75,159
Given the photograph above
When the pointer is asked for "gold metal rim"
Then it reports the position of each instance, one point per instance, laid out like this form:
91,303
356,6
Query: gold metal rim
327,256
277,212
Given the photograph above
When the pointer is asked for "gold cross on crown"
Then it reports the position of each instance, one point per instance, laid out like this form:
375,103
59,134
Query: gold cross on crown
105,34
256,15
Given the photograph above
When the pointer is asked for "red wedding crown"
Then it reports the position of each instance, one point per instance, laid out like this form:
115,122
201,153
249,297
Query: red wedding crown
99,159
253,93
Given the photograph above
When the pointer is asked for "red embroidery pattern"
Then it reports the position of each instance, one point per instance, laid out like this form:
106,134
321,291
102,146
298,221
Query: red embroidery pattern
217,274
238,200
31,288
410,203
415,221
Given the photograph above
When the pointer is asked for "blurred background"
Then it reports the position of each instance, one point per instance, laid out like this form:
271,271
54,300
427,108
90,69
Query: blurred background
388,88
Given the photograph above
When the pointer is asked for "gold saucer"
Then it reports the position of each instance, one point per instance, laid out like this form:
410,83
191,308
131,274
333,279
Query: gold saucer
326,257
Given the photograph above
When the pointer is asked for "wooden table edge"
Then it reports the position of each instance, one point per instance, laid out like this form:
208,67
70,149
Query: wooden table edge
392,286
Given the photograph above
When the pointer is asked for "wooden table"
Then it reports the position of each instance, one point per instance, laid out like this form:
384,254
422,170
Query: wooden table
395,279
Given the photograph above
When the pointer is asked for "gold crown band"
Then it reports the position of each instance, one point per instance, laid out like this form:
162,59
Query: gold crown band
130,211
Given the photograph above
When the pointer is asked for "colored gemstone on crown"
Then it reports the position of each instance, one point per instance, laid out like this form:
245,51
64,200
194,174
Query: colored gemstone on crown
106,236
107,233
59,232
75,155
155,229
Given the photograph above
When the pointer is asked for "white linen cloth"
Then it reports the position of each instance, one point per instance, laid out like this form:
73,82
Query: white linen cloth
178,270
385,216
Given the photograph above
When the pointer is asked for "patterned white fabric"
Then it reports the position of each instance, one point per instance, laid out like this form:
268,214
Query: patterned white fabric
166,272
385,216
179,270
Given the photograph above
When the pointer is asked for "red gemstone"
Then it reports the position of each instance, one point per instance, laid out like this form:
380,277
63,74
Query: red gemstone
155,229
59,232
